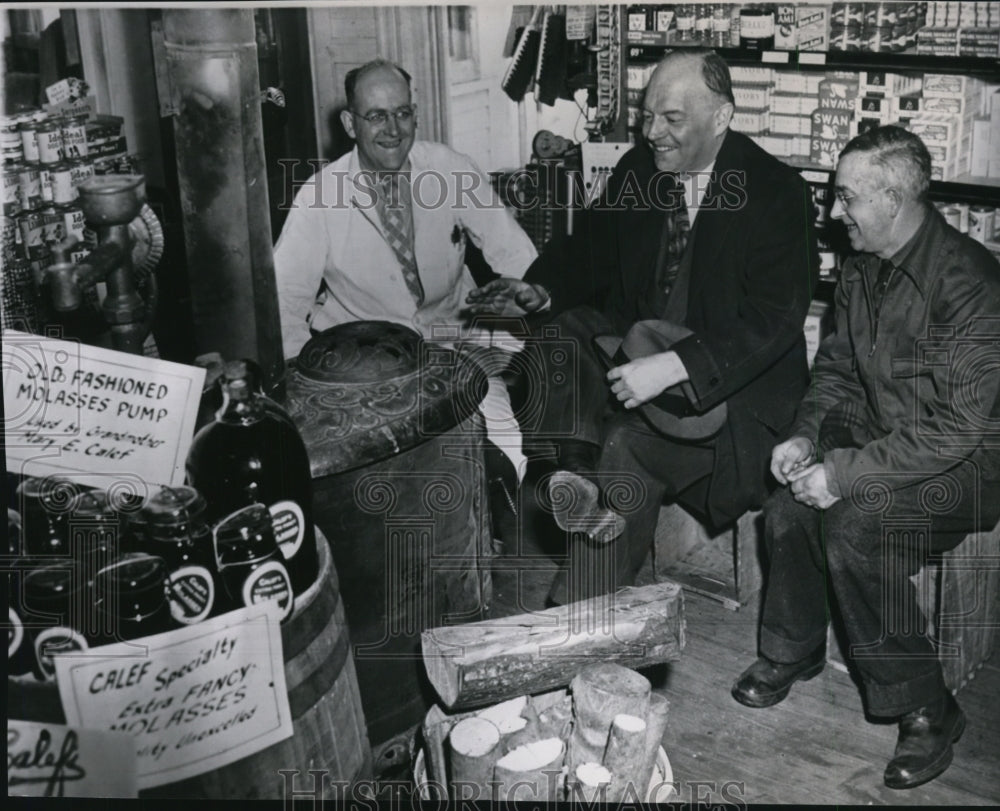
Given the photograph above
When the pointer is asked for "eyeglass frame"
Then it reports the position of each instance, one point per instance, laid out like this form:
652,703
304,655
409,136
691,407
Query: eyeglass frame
846,200
379,118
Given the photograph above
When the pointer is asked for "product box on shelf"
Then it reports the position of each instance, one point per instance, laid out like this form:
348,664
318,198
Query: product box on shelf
792,104
785,30
874,108
751,96
831,129
881,82
979,160
948,84
790,124
837,95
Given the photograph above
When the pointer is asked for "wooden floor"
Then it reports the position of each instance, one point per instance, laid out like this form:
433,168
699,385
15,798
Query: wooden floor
816,747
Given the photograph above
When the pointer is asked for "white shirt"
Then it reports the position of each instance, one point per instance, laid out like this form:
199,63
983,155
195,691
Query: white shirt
696,190
333,235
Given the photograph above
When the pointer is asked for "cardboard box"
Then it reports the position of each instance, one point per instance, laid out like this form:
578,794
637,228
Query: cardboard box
876,108
752,96
948,84
66,90
837,95
790,124
872,82
979,161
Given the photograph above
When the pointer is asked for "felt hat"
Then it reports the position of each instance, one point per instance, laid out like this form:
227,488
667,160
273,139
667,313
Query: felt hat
671,412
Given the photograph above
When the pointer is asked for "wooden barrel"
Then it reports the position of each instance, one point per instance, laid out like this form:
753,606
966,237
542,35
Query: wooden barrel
396,451
328,723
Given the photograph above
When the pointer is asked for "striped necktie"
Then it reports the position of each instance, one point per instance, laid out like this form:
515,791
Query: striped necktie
674,238
398,224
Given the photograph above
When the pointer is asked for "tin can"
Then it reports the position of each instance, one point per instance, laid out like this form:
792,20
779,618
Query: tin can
74,134
80,170
29,140
45,178
30,185
952,216
49,136
53,229
963,216
31,225
39,264
63,190
74,224
982,220
11,191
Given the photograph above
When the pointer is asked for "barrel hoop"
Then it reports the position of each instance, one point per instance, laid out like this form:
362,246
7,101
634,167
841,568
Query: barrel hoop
298,632
308,692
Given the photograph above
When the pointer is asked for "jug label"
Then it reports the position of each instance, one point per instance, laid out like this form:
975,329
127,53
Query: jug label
53,641
192,594
269,582
289,527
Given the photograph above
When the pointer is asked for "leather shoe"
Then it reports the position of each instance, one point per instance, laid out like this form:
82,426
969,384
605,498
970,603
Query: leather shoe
765,683
576,508
923,749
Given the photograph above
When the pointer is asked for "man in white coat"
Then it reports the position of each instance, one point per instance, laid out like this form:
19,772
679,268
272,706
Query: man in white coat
380,234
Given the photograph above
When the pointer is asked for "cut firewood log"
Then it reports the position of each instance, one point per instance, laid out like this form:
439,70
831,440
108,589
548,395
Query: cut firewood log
472,746
656,725
589,783
485,662
624,756
532,771
435,729
601,692
507,715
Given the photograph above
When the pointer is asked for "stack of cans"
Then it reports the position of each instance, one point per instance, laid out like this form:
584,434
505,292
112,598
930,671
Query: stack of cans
45,158
885,27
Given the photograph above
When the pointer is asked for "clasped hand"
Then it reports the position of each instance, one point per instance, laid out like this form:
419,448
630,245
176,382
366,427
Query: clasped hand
793,463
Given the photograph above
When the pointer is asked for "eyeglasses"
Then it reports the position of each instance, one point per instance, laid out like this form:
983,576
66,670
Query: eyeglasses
845,200
378,118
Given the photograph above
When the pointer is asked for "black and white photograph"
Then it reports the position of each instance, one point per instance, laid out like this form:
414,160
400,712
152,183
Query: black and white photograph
501,405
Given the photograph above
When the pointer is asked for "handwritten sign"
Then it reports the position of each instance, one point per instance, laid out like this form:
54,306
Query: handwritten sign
71,408
193,699
48,760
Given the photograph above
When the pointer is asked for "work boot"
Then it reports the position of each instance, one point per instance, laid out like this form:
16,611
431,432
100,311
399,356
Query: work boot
766,683
923,749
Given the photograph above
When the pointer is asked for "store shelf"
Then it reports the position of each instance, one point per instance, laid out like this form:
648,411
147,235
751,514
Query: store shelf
981,67
966,189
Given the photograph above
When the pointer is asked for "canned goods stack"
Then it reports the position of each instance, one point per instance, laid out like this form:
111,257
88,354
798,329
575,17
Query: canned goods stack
889,26
978,221
42,171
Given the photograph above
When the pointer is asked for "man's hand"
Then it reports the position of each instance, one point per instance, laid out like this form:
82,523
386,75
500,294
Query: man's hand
810,487
790,457
642,379
506,296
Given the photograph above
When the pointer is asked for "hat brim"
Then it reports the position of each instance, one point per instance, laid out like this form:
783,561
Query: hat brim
672,411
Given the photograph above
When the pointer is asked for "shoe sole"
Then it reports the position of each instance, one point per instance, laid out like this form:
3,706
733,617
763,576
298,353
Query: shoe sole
575,501
771,699
936,769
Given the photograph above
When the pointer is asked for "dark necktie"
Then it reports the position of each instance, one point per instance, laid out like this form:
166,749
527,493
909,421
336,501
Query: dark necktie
397,221
676,228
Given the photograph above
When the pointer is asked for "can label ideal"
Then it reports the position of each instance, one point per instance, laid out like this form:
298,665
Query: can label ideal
32,224
11,191
74,223
50,143
74,134
81,170
53,229
63,190
29,140
30,184
45,177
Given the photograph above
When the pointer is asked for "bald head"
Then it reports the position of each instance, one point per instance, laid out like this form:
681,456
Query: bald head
687,109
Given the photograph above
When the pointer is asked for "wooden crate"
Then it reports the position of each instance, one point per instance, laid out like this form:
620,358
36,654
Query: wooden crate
724,565
959,592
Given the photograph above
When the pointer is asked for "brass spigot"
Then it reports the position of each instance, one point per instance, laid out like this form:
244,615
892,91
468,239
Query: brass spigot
109,202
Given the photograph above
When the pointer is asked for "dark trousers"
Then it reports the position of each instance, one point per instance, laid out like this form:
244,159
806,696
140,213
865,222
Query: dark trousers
866,548
639,467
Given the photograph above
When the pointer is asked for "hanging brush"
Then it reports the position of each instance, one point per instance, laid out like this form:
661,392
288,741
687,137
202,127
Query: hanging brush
550,76
522,69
